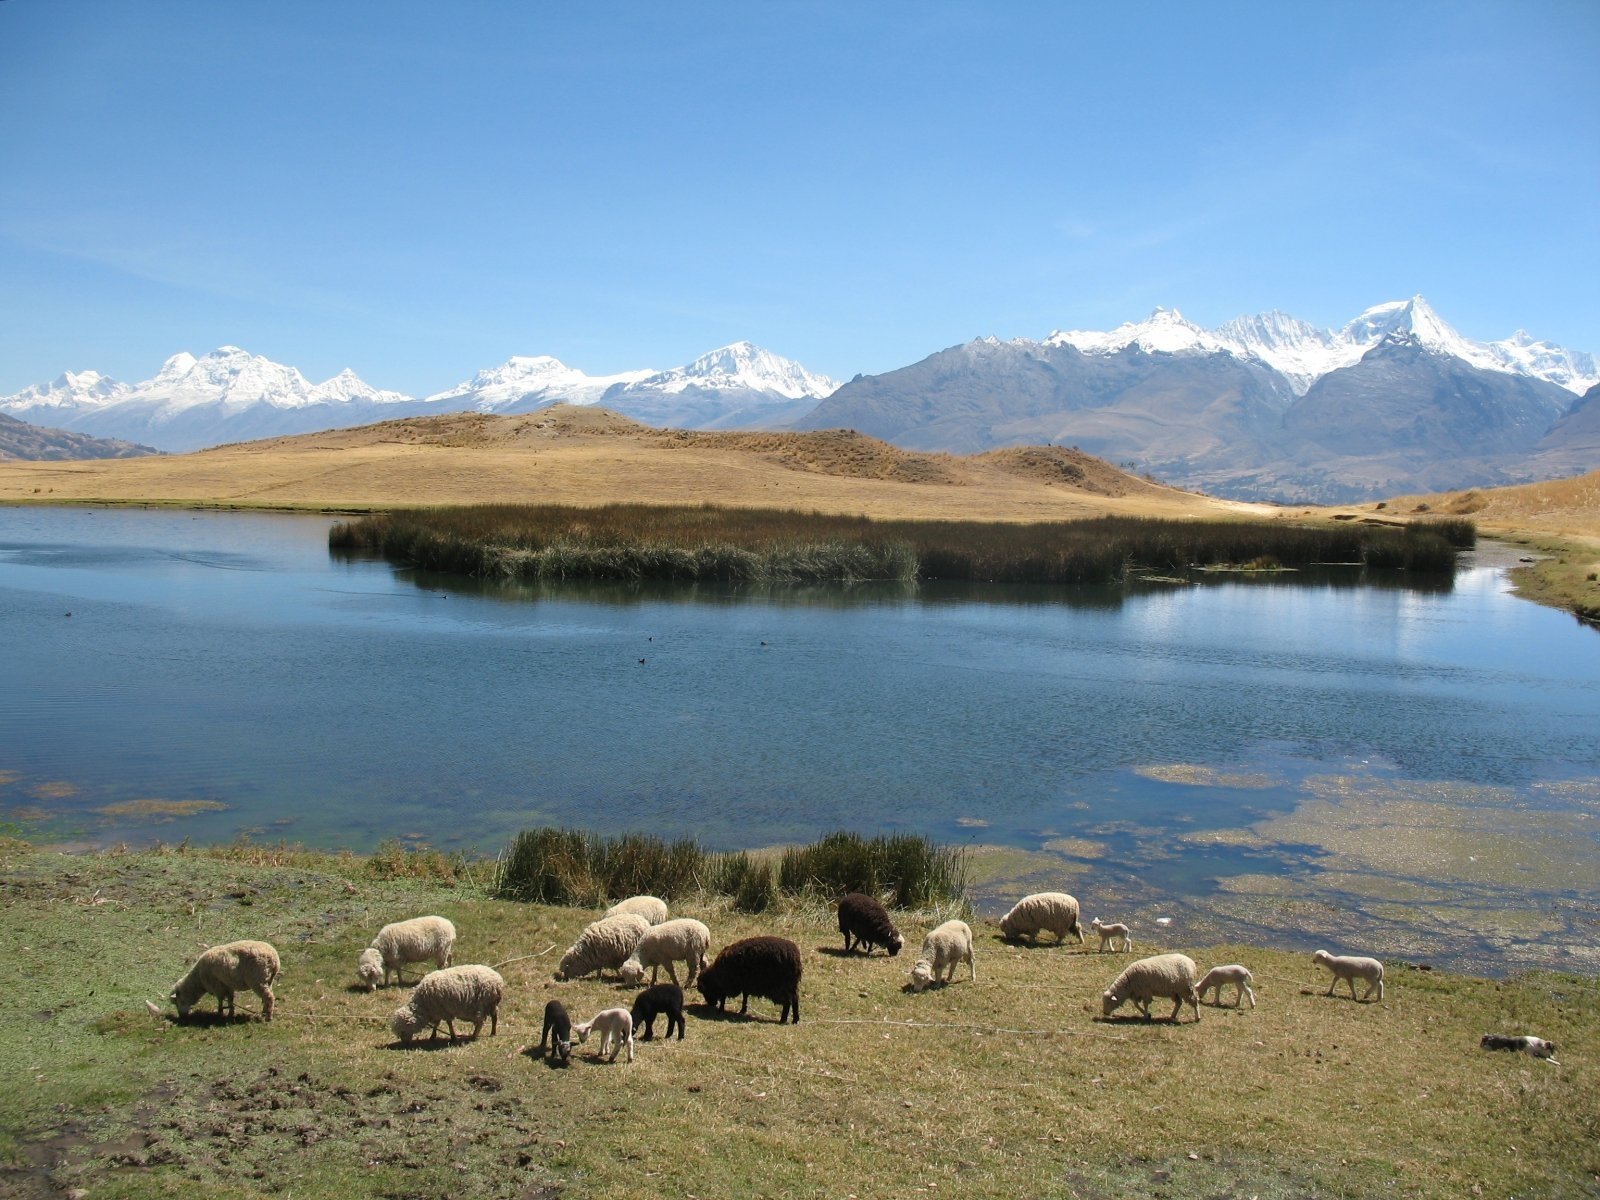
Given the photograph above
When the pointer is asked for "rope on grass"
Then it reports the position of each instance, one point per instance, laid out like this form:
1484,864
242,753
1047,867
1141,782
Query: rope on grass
521,957
1110,1037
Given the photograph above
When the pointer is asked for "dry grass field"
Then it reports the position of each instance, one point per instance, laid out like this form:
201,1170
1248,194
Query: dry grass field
587,456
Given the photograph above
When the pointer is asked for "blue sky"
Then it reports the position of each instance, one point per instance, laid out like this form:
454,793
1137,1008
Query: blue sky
417,191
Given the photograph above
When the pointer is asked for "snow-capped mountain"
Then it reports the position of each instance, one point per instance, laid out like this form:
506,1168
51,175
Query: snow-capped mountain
1302,353
231,395
522,383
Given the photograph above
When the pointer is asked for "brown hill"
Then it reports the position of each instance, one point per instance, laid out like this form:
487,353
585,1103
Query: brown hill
583,455
19,439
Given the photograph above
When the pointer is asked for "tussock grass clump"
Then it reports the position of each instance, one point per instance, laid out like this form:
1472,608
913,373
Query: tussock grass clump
633,541
584,869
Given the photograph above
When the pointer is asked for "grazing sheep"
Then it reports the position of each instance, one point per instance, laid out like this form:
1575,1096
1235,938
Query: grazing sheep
755,966
651,908
1351,967
471,993
558,1029
223,970
616,1030
942,951
683,939
603,945
865,922
1055,912
1163,976
657,1000
1113,934
417,940
1527,1043
1233,973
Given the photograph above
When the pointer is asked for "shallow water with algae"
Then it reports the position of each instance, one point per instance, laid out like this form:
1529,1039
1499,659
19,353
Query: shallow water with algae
1356,761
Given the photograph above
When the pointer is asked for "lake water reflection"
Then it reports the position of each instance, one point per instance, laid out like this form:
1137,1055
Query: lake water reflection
1304,762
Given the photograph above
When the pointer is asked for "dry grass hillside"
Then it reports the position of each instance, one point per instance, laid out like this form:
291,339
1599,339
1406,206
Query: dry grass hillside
568,455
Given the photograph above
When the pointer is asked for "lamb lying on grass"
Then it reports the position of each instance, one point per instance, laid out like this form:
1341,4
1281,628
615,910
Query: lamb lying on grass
420,939
470,993
1161,977
1113,935
616,1028
945,948
1232,973
223,970
1526,1043
1351,967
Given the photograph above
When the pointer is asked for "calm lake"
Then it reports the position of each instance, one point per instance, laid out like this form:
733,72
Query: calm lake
1413,771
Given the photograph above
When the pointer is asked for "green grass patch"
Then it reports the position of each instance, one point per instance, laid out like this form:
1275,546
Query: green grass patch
627,542
1009,1086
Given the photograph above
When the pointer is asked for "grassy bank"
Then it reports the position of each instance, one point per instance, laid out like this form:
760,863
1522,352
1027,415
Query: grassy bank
1565,574
1004,1087
617,541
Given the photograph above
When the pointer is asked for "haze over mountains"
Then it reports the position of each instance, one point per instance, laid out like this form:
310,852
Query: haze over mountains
1263,407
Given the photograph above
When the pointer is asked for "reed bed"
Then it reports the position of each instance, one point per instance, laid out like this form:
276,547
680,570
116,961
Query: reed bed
585,869
710,543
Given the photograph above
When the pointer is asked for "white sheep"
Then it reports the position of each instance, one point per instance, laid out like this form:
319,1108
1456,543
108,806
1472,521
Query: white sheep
651,908
1111,933
1351,967
1053,912
223,970
604,945
616,1030
1232,973
1162,976
681,940
469,993
417,940
942,951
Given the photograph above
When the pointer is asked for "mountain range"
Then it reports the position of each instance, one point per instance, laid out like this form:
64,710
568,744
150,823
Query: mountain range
1263,407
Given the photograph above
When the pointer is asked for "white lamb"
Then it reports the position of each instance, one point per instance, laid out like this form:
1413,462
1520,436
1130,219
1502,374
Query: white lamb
1351,967
1111,934
223,970
604,945
682,940
1053,912
651,908
1233,973
616,1030
1162,976
469,993
942,951
417,940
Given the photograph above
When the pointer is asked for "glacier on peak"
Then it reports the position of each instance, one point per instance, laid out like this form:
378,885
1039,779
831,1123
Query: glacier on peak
740,366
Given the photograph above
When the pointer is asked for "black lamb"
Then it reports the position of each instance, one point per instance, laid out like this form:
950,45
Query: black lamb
557,1022
865,920
758,966
655,1000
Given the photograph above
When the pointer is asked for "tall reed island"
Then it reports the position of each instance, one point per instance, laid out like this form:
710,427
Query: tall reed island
740,545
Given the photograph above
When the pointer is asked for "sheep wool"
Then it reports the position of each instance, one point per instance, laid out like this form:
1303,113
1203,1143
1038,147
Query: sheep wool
616,1029
865,923
1042,912
651,908
420,939
943,950
223,970
1164,976
1351,967
469,993
756,966
661,999
604,945
682,940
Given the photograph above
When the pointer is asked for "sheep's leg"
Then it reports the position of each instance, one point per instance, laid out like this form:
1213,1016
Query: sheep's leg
1351,980
477,1027
744,1004
972,968
1331,986
265,992
1251,994
672,972
630,1048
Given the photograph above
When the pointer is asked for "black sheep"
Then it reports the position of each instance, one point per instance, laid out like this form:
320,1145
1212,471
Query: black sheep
653,1001
557,1022
867,921
758,966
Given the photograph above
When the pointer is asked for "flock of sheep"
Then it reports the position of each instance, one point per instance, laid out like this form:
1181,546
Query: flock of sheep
638,934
